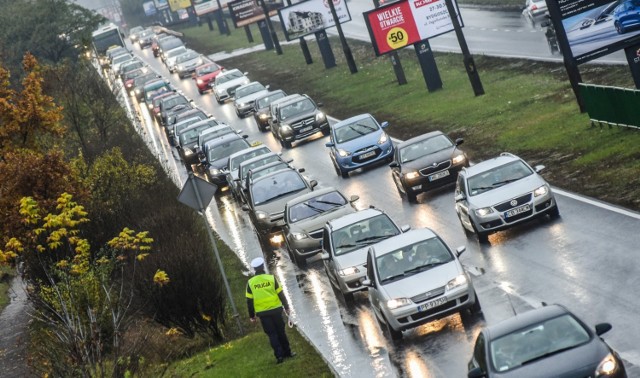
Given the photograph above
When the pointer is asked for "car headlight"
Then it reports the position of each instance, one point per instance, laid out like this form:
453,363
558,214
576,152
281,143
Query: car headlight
214,171
392,304
263,116
343,153
456,282
200,61
411,175
188,152
179,67
349,271
383,138
137,91
320,116
541,191
484,211
299,235
286,128
242,105
200,82
607,366
150,106
261,215
458,159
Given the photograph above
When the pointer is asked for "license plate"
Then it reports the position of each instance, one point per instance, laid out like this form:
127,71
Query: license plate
305,129
439,175
367,154
517,210
432,304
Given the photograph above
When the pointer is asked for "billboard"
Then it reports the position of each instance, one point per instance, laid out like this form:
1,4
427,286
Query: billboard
179,4
149,8
161,4
311,16
596,28
245,12
403,23
207,6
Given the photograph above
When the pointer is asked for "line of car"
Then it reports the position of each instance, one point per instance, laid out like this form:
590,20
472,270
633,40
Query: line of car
412,276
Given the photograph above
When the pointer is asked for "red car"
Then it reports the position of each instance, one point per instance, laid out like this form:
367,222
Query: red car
205,74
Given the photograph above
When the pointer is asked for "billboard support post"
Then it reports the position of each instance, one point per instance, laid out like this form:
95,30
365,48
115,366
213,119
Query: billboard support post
247,30
469,64
266,37
325,49
395,59
209,22
428,65
345,47
633,58
305,51
274,37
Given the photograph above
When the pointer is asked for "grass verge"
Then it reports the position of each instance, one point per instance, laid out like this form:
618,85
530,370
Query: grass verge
6,274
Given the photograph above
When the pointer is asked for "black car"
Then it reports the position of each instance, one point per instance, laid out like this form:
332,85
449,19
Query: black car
238,186
139,83
262,109
207,139
194,115
218,156
171,106
425,162
549,341
298,119
189,140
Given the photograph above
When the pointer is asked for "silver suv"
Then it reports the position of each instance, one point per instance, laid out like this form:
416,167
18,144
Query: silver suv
344,245
414,278
501,192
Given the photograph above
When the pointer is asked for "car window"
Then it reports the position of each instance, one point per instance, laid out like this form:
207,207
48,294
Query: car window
191,135
424,147
257,173
299,107
253,88
539,340
276,186
497,177
413,259
225,149
479,353
355,130
228,77
188,56
363,233
245,168
254,152
315,206
265,101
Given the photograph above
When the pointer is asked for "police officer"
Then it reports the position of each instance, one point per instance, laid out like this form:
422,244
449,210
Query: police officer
266,299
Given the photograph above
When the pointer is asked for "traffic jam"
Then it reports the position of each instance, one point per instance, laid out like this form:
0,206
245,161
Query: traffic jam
349,220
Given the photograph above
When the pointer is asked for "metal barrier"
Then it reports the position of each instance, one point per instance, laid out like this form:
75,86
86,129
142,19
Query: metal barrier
611,106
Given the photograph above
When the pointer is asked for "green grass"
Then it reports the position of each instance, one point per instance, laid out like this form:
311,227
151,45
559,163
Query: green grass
528,109
6,274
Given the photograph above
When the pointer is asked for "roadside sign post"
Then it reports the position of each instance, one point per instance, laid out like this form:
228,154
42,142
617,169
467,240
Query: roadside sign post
395,59
266,37
274,37
197,193
247,30
428,65
328,58
305,51
633,58
345,46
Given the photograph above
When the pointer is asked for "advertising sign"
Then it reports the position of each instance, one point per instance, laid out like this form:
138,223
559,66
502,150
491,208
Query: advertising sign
208,6
311,16
596,28
149,8
245,12
403,23
161,4
179,4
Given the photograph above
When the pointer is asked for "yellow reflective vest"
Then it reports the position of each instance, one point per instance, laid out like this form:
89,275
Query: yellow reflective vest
262,289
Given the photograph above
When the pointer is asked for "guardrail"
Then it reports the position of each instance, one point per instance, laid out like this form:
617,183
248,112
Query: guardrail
611,106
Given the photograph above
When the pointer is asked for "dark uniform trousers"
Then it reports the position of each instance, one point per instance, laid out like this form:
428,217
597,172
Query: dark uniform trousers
273,326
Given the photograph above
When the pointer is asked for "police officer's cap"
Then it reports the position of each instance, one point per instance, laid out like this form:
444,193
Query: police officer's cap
257,262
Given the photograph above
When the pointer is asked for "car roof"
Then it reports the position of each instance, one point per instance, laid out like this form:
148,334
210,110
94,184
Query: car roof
314,194
275,173
249,84
525,319
257,158
271,93
404,239
419,138
248,150
352,120
227,72
349,219
223,138
204,121
159,82
497,161
290,99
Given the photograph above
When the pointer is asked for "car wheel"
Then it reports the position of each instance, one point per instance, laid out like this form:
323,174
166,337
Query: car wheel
348,298
476,308
326,131
483,237
286,144
554,213
411,196
260,127
300,261
619,27
395,336
200,91
344,174
219,101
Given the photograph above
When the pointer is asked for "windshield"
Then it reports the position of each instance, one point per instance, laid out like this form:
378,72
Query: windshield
267,100
497,177
425,147
174,101
188,56
176,52
253,152
363,233
209,68
228,77
356,129
171,44
536,342
245,168
249,89
183,126
315,206
144,78
154,91
225,149
292,110
412,259
189,136
278,185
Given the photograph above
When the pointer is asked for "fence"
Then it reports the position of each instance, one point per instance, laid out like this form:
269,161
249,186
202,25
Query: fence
612,106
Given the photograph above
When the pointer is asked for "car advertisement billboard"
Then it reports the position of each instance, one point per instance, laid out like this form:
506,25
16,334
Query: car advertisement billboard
403,23
149,8
311,16
179,4
246,12
596,28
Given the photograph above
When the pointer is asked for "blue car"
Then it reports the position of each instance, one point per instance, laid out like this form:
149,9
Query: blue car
626,16
358,142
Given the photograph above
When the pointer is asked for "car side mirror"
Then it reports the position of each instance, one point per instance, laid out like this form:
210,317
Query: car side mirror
325,256
603,328
330,144
459,141
545,24
245,136
476,373
245,208
320,104
267,86
301,170
384,124
459,197
313,184
460,250
394,164
539,168
405,228
354,198
236,180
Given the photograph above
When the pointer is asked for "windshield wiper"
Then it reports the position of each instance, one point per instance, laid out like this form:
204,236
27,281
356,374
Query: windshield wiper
357,131
366,126
425,267
482,188
330,203
372,238
283,194
316,209
391,278
547,354
500,183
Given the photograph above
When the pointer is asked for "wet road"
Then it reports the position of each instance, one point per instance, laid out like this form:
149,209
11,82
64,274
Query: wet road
584,260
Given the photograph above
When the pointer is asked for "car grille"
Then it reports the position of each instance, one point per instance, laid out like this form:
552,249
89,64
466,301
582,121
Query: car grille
428,295
317,234
358,159
435,168
515,202
303,123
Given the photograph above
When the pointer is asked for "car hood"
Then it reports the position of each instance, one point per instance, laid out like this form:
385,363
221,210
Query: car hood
231,83
425,161
277,205
318,221
361,142
189,62
577,362
300,116
506,192
252,96
422,282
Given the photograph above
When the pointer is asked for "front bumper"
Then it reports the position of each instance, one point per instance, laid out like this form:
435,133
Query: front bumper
498,219
353,282
432,180
354,161
304,132
243,110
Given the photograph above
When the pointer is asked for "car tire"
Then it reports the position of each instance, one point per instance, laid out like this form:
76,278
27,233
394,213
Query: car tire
619,27
200,91
260,127
344,174
286,144
220,102
348,298
326,131
483,237
300,261
554,213
412,197
394,335
475,308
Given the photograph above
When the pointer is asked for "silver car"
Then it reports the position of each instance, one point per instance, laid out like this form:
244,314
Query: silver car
345,242
186,63
501,192
245,97
414,278
172,55
226,83
305,217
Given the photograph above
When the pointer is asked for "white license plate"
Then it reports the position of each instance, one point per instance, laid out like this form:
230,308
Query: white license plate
439,175
517,210
367,154
305,129
432,304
